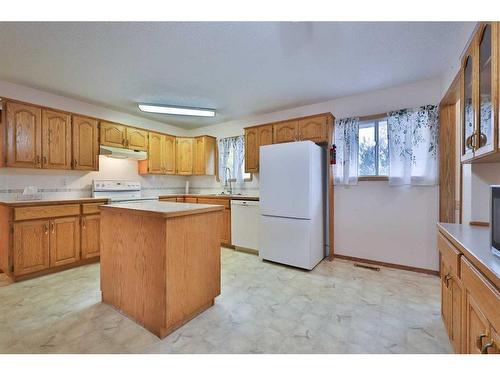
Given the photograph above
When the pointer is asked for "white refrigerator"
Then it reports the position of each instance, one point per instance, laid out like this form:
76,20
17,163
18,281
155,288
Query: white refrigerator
292,204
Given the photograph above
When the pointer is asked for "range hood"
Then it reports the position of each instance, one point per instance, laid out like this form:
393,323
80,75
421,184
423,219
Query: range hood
122,153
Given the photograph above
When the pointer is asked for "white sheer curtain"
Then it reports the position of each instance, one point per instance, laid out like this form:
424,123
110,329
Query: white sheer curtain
346,139
413,146
231,158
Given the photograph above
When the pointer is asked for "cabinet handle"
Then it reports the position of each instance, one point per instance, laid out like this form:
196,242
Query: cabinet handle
84,223
447,279
44,159
37,159
482,139
75,162
479,340
484,349
46,227
53,228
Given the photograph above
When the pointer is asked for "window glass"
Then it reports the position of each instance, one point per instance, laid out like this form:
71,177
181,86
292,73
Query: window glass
373,148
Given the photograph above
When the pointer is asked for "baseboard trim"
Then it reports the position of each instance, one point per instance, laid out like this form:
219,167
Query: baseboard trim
389,265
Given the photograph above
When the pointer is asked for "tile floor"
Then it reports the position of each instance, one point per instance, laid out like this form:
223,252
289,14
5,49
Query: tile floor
263,308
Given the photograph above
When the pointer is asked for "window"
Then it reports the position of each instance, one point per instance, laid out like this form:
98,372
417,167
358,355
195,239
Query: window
232,160
373,156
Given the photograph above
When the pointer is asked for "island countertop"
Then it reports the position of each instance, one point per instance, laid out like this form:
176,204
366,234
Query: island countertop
474,242
164,209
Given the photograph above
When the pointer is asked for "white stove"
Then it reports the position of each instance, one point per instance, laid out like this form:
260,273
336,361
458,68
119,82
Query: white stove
119,191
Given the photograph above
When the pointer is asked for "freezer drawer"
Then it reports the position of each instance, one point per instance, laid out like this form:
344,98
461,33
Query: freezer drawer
289,241
245,217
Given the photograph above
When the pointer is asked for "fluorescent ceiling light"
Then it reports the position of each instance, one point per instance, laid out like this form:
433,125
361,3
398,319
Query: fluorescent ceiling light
175,110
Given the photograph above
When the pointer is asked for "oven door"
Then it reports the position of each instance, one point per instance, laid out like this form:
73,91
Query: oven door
495,219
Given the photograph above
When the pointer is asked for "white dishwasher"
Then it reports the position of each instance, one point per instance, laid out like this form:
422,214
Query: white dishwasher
245,216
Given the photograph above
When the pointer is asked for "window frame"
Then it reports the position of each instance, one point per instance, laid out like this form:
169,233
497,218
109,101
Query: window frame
375,120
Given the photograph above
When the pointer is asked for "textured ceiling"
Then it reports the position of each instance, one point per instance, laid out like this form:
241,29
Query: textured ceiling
239,68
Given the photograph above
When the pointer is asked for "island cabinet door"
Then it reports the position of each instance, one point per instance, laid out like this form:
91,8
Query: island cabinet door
56,140
64,241
85,144
24,136
90,236
31,246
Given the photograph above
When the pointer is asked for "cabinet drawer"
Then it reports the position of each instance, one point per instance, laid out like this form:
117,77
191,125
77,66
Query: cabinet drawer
219,201
91,208
449,254
40,212
485,294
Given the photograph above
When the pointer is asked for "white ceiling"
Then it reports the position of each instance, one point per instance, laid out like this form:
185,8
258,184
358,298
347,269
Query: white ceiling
239,68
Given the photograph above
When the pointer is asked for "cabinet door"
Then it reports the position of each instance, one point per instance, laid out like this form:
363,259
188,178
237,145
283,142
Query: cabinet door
476,326
199,156
169,160
137,139
112,134
56,140
226,227
251,150
156,153
64,240
468,106
31,246
286,131
24,136
91,225
455,318
487,39
445,297
185,156
85,144
313,129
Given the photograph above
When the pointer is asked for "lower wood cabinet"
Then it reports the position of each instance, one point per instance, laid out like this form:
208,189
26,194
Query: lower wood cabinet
64,243
90,229
470,303
31,246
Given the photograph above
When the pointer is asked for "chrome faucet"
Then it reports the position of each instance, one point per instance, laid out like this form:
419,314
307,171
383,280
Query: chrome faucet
228,178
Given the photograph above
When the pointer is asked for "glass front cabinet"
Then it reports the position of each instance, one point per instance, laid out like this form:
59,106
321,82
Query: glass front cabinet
479,95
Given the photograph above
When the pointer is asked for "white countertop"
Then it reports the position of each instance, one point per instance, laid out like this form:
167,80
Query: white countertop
165,209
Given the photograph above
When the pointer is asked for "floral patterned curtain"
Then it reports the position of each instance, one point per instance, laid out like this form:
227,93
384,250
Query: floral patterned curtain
231,158
413,146
346,139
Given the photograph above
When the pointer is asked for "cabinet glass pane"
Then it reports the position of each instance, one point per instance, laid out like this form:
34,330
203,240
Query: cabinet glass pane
467,105
486,111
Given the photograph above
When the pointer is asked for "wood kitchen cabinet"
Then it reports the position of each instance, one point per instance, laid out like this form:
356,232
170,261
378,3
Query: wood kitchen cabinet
313,129
64,242
90,232
479,91
111,134
56,139
204,155
31,246
286,131
23,135
254,138
170,152
225,229
184,156
85,143
136,139
161,155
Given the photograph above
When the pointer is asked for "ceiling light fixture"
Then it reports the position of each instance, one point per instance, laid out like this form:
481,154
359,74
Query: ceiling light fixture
176,110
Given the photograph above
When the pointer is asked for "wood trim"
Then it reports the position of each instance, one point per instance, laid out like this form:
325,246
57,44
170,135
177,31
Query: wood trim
388,265
479,223
372,117
447,163
55,269
327,114
331,196
373,178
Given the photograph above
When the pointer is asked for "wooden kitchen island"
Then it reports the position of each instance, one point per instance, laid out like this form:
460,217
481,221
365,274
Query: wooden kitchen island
160,261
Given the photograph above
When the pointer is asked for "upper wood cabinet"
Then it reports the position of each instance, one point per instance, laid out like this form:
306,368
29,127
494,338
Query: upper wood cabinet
156,154
85,143
286,131
254,138
24,135
136,139
170,151
56,140
479,78
112,134
314,129
184,155
204,155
